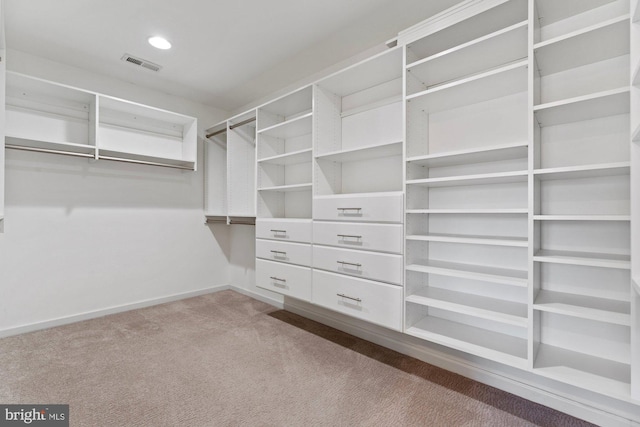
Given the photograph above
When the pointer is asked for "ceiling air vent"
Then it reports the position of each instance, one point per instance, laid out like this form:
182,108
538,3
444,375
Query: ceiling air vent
141,62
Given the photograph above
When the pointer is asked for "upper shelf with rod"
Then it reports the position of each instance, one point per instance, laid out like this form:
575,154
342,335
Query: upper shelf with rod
53,118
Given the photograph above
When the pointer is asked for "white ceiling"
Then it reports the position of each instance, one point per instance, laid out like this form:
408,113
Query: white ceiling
225,53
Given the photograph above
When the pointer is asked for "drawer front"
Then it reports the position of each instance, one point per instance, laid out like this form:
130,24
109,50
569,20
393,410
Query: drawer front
363,264
291,253
283,230
374,302
370,237
369,208
284,279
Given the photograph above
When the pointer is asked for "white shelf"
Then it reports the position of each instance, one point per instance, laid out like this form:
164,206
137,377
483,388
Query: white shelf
480,179
582,370
495,346
364,153
67,147
604,260
289,106
578,172
582,217
486,52
585,307
518,242
601,104
287,188
468,211
498,310
492,84
297,126
554,10
493,153
378,69
293,158
605,40
474,272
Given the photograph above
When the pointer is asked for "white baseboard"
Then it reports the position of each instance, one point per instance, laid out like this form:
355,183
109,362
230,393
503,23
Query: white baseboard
573,401
104,312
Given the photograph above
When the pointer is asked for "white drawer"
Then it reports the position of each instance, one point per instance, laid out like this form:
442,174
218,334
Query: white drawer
383,207
371,237
363,264
286,230
292,253
371,301
284,279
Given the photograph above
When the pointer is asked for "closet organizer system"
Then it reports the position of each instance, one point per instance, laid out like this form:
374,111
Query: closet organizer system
470,187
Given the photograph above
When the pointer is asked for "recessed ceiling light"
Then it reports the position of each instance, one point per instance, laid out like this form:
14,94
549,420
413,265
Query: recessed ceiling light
159,42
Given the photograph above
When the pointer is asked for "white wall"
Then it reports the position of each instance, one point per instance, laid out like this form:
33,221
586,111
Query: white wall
84,237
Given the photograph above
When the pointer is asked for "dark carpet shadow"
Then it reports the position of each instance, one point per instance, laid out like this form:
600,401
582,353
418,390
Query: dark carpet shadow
501,400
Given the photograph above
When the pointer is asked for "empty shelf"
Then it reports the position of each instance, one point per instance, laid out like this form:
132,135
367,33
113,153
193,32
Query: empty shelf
468,211
498,310
586,307
297,126
480,179
583,370
520,242
590,171
582,217
482,87
493,153
470,271
364,153
584,258
301,156
599,42
287,188
588,107
481,342
50,146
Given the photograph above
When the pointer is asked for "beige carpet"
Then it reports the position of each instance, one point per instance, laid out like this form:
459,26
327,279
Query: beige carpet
226,359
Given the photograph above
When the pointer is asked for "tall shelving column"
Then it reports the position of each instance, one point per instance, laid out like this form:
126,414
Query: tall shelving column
635,197
581,221
466,183
284,201
357,218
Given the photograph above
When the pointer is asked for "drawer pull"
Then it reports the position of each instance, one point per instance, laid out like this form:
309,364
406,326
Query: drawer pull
350,263
349,236
278,279
350,209
279,233
279,253
348,297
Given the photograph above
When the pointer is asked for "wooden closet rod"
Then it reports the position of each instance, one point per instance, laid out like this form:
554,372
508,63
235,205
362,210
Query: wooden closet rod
231,127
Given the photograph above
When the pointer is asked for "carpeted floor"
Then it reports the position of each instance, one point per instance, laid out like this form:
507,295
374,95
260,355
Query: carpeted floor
227,360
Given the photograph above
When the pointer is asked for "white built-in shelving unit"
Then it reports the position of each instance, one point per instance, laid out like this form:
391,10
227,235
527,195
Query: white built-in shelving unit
466,185
54,118
510,132
581,258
